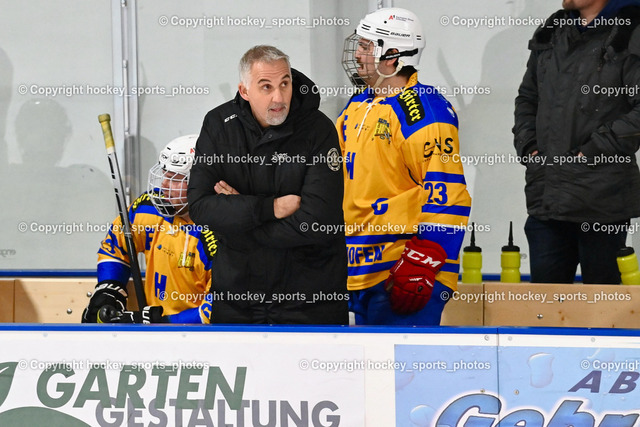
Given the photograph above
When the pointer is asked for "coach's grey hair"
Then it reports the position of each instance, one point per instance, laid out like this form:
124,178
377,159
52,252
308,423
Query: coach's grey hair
260,53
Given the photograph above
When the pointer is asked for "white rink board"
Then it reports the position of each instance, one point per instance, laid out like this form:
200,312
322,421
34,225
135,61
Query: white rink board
166,375
132,375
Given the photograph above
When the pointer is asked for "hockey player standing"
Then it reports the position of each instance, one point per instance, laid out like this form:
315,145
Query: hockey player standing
406,204
178,253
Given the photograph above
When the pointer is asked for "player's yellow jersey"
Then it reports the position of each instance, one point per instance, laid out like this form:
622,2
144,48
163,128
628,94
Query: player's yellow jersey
403,177
177,253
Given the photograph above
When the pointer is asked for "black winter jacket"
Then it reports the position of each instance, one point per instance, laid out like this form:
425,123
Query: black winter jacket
292,270
566,105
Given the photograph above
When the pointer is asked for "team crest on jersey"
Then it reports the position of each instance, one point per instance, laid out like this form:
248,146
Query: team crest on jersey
333,160
187,260
382,129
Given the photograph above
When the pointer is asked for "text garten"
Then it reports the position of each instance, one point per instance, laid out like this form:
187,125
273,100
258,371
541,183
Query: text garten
58,386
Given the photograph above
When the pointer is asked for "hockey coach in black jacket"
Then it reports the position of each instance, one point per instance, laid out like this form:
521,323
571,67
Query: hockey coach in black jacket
268,180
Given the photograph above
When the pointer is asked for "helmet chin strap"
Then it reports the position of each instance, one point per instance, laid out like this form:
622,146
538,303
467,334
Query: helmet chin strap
382,76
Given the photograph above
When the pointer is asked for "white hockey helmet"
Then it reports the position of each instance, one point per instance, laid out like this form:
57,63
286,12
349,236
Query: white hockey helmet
386,28
168,179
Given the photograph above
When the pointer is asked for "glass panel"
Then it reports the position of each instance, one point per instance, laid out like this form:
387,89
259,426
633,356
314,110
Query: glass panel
56,195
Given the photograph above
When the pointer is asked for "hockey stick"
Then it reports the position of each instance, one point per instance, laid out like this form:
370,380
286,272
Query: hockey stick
105,121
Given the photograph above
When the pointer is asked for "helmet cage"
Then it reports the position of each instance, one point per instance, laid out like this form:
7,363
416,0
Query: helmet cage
168,191
168,179
356,43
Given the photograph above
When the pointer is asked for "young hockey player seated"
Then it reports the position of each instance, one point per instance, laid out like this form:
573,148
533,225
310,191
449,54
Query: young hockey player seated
177,252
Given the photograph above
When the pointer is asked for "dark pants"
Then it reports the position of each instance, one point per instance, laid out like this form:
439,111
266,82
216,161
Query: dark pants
373,307
556,248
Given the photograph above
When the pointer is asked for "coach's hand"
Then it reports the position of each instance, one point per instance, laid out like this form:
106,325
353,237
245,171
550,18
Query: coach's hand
222,187
411,279
286,205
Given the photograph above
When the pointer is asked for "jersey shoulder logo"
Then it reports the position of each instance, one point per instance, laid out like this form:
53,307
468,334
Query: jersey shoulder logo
209,242
411,104
143,199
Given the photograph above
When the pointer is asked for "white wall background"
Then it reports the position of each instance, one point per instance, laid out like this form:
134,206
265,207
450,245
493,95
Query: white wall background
54,171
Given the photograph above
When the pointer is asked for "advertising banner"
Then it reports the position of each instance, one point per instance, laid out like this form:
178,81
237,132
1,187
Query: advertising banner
175,379
527,380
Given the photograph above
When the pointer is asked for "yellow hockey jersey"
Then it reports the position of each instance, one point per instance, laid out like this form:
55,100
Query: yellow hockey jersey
178,259
402,178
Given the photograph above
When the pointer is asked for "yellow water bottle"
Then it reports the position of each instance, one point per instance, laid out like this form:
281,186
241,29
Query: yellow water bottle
510,260
472,261
628,266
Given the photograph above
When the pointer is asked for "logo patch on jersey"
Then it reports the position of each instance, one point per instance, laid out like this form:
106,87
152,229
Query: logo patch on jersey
382,129
167,251
187,261
437,145
412,107
333,160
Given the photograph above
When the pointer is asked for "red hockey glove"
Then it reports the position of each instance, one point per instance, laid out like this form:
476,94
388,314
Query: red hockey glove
411,279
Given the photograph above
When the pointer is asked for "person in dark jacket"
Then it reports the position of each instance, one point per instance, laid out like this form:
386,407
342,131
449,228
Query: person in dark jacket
577,129
268,179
